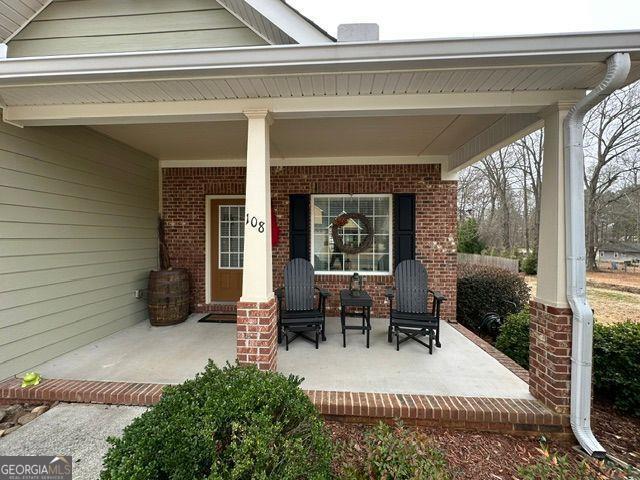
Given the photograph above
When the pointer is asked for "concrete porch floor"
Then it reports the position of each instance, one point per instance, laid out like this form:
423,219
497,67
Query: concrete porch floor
142,353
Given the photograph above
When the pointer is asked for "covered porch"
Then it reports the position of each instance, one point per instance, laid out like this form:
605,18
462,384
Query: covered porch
171,355
267,129
467,384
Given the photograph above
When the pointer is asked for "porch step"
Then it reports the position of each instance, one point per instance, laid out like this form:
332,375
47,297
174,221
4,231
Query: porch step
503,415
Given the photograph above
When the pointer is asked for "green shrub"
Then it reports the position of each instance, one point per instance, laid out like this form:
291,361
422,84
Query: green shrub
616,365
616,358
483,289
399,454
513,339
529,264
469,238
232,423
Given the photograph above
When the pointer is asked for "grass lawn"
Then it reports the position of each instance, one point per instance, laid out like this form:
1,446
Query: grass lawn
608,300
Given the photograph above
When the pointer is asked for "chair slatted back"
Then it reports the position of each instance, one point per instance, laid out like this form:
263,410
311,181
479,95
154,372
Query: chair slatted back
411,287
299,282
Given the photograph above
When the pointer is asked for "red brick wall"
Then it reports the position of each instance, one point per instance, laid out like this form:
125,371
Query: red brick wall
550,356
184,190
257,340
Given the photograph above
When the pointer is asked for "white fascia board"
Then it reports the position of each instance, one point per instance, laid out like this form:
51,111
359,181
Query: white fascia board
337,57
290,21
288,107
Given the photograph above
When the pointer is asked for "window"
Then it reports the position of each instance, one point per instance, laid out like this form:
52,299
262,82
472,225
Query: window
376,258
231,236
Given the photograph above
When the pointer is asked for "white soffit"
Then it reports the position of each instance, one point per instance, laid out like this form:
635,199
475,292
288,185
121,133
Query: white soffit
276,22
257,22
289,20
15,14
439,81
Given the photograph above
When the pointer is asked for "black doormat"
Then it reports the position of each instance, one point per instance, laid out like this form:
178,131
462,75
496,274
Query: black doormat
219,318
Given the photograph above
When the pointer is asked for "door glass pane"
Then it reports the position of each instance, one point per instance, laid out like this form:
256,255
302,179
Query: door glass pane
231,232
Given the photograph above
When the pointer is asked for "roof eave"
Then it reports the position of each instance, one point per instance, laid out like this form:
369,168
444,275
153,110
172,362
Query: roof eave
342,57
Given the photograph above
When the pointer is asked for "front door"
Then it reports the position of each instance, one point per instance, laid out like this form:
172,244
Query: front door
227,248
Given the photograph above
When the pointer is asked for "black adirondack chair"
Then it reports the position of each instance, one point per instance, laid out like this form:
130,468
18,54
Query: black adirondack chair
411,316
298,313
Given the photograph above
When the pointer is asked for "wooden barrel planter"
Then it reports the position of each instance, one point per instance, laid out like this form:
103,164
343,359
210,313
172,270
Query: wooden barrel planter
168,296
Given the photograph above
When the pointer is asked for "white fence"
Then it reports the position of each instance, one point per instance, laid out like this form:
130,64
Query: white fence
500,262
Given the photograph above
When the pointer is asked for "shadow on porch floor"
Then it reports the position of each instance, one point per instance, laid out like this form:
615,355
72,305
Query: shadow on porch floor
172,354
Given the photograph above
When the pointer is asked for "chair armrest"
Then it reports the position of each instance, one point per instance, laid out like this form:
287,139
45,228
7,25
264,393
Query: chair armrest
438,296
323,292
389,293
279,292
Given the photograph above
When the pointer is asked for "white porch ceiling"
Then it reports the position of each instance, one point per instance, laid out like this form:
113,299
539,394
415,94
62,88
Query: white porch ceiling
314,137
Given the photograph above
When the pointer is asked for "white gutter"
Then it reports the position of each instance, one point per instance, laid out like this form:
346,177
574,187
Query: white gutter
618,66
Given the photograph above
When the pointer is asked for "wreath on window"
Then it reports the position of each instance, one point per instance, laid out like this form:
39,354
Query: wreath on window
363,222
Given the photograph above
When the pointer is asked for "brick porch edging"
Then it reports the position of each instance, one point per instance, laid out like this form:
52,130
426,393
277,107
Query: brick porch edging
484,414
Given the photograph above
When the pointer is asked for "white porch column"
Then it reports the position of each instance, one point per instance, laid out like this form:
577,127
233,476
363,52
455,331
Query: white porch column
550,347
551,251
257,283
257,324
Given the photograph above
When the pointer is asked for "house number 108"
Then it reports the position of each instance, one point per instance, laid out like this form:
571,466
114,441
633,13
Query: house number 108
253,221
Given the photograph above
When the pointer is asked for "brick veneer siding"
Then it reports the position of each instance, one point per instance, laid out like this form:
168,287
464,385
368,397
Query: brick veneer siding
184,190
257,334
550,356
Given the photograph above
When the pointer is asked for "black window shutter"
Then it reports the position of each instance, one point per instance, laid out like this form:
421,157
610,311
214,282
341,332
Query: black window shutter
299,225
404,231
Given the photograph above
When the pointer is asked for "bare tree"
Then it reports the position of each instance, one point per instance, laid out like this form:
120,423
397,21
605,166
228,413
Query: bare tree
529,150
503,190
473,194
612,144
497,169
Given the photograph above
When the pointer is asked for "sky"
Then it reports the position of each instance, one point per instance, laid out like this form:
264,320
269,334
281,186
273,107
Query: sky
410,19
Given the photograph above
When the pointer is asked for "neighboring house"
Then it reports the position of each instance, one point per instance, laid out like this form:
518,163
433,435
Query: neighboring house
212,113
619,252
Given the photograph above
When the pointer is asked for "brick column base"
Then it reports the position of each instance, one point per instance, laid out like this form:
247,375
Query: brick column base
550,356
257,339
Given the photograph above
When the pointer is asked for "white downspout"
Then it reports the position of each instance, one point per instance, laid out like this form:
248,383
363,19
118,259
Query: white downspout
618,66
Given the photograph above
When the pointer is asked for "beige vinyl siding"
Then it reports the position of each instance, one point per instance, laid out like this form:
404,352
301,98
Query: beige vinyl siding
78,218
101,26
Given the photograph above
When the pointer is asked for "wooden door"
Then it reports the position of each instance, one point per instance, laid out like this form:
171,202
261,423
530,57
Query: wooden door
227,249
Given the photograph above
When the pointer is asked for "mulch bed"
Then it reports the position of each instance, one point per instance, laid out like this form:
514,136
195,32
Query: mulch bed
475,455
471,455
619,434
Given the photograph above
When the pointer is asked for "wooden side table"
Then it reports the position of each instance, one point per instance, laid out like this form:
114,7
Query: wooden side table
362,309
